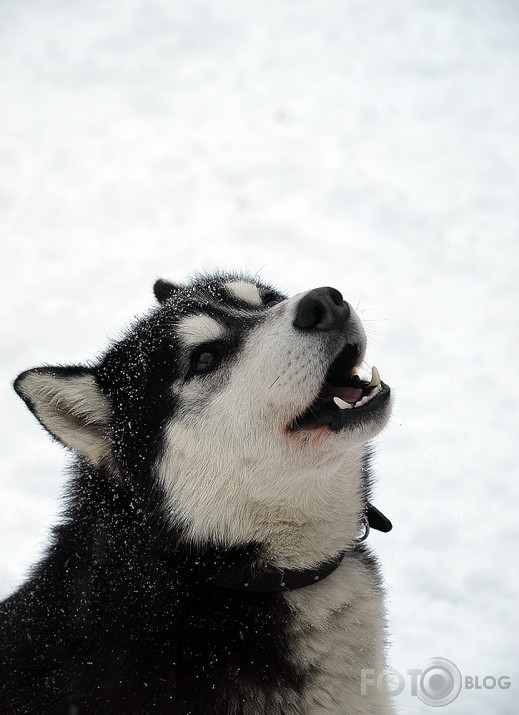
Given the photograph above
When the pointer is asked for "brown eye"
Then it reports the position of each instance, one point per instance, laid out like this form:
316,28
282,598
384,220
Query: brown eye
204,360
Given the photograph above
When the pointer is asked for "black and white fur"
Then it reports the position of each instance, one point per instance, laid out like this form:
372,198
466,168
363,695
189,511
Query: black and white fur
179,473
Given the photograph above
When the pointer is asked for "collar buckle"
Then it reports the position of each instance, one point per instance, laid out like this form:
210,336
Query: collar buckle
365,524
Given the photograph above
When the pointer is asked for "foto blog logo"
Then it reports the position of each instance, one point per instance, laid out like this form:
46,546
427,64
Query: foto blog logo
437,683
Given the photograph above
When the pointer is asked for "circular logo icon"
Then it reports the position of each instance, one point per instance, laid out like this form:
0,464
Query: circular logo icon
440,682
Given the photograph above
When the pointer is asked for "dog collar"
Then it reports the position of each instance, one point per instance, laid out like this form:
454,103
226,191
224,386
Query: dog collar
273,580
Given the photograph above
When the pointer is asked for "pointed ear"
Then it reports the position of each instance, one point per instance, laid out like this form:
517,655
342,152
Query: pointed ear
70,405
164,290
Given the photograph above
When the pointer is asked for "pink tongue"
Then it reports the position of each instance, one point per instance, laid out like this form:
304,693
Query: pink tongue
348,394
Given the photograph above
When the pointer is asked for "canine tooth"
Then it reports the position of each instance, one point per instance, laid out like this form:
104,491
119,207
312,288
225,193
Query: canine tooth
342,404
375,377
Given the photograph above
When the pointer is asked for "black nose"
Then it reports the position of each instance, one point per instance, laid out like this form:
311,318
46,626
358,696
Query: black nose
322,309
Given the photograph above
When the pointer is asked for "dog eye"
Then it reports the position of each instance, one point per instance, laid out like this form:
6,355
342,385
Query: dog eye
204,360
270,301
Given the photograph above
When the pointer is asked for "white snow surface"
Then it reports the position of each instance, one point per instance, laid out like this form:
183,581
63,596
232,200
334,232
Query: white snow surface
364,145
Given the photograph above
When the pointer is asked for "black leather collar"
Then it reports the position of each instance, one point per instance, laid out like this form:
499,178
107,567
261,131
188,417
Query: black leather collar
273,580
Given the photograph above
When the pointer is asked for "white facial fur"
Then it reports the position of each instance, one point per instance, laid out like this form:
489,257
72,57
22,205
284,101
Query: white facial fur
197,329
247,292
231,470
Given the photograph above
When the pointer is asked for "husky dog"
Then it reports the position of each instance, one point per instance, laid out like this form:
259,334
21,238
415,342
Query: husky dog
208,559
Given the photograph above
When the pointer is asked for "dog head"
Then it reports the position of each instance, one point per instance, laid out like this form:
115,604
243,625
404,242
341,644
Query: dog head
231,397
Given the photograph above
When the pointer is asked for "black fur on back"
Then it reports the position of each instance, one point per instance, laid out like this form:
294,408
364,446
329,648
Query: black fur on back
119,618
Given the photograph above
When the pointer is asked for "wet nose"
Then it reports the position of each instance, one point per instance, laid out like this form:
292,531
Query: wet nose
321,309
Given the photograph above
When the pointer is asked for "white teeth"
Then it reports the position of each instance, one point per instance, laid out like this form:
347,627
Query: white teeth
342,404
369,397
375,387
347,406
375,377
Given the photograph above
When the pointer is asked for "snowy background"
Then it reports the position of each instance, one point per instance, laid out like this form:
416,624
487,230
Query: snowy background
365,145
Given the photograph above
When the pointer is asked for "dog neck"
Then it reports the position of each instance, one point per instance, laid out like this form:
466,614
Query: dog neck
301,518
320,517
299,495
271,579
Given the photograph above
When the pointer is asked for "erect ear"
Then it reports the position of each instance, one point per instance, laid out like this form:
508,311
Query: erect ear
163,290
69,404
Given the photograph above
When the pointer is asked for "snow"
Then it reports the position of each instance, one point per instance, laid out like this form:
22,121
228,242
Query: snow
368,146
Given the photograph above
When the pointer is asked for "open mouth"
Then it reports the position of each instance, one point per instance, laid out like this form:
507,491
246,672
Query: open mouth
345,399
